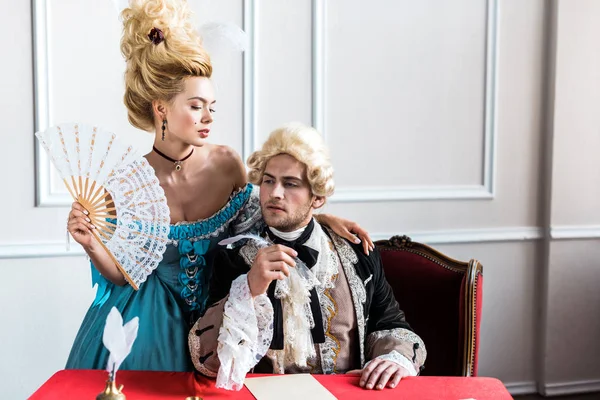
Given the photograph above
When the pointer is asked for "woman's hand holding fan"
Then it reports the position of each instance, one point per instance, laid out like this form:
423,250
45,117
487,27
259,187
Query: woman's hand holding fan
80,226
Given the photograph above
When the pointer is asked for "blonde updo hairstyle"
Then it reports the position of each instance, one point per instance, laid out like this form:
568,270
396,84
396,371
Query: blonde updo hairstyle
158,71
306,145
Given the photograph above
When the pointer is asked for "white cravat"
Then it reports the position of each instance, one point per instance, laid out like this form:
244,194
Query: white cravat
288,236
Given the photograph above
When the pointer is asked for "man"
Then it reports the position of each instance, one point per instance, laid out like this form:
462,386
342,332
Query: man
308,301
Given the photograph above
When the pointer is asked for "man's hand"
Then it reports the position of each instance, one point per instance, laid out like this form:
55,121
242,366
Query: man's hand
271,263
379,373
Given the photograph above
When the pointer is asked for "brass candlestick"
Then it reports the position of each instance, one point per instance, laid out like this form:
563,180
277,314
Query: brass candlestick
110,391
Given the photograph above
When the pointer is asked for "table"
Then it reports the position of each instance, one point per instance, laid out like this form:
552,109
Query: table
148,385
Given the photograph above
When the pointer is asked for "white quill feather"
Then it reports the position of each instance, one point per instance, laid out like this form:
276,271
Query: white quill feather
118,339
259,240
219,36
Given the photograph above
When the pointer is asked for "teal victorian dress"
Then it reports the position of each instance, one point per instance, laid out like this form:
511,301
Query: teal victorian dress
171,299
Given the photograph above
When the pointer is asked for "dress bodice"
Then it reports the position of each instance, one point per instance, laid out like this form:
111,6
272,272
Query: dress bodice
187,263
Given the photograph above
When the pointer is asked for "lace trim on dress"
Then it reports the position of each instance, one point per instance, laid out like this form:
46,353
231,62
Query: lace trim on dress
214,225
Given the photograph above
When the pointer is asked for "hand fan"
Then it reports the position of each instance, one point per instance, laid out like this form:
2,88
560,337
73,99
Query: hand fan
120,191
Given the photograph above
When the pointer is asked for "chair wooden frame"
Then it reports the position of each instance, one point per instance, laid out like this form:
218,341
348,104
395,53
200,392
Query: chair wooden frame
472,269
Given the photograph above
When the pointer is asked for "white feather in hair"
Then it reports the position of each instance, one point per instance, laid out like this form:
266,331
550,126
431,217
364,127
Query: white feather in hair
219,36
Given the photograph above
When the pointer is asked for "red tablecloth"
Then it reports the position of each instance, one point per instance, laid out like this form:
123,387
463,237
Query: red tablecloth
86,384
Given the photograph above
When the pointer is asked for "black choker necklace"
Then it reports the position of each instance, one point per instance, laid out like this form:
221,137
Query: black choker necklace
176,162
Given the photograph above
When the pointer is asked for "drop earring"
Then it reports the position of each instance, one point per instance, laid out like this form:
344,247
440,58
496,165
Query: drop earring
164,126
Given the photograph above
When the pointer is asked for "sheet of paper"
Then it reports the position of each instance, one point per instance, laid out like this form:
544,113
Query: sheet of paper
288,387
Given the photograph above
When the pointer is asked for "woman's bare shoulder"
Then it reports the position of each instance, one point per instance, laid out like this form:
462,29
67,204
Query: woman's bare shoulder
229,162
224,156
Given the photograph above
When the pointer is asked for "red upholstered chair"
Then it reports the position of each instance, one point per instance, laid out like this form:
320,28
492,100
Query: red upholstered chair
441,298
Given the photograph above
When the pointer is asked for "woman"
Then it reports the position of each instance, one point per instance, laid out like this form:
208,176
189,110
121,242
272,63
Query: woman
168,91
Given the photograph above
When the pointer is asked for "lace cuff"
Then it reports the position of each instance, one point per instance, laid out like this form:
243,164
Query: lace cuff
245,335
399,359
402,340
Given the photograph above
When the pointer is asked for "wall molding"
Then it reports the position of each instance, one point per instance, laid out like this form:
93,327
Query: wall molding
456,192
458,236
572,387
518,388
45,249
39,250
249,80
575,232
434,192
318,65
45,195
42,249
